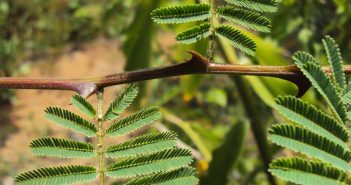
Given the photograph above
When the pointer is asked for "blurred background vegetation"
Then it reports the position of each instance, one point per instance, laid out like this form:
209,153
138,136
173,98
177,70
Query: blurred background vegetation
220,117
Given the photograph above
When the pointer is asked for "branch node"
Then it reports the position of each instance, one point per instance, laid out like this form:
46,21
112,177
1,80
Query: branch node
86,89
200,61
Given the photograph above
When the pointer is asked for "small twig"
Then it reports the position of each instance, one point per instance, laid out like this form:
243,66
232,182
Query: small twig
196,65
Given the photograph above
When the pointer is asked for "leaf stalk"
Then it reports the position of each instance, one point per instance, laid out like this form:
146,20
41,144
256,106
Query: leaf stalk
211,39
100,145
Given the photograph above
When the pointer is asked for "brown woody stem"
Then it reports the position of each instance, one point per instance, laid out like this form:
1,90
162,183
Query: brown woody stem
196,65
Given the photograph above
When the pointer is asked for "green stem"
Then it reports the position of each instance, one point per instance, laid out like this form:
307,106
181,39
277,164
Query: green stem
100,145
257,126
211,40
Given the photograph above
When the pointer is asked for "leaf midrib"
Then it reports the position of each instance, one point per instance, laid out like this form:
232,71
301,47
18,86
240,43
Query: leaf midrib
145,163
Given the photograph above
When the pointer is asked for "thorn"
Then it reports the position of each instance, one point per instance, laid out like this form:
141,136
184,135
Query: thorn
302,83
197,57
86,89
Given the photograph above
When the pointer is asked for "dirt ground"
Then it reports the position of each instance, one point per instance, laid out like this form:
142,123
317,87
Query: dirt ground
99,57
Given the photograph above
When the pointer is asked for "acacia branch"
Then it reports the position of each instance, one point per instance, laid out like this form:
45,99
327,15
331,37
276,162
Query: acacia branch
196,65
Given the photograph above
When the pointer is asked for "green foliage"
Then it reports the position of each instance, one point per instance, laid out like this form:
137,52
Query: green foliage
245,18
322,83
148,158
309,172
57,175
182,14
257,5
121,103
237,39
83,105
226,156
301,24
310,117
334,57
70,120
194,34
305,141
243,14
176,177
138,47
134,122
167,160
63,148
318,135
146,144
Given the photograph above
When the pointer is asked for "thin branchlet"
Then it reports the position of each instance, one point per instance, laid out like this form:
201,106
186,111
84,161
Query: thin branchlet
198,64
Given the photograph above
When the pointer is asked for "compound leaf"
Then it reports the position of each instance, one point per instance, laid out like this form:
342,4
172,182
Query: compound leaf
149,164
134,122
70,120
61,175
322,138
245,18
181,14
63,148
237,39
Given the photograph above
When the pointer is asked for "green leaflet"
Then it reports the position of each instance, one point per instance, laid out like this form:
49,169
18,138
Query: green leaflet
194,34
146,144
181,176
121,102
149,164
62,148
182,14
302,140
322,83
335,61
57,175
245,18
302,171
83,105
313,119
134,122
70,120
256,5
237,39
